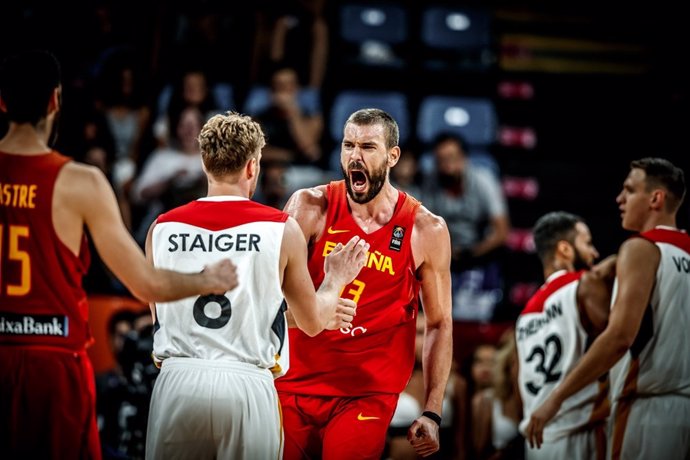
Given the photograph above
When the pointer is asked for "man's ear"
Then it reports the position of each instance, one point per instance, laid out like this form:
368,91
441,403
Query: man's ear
393,156
564,249
251,166
658,199
55,100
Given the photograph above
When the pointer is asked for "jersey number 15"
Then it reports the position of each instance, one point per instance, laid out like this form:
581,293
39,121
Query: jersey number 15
14,254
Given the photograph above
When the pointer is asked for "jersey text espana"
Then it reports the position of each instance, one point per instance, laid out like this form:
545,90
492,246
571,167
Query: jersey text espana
246,324
377,354
41,297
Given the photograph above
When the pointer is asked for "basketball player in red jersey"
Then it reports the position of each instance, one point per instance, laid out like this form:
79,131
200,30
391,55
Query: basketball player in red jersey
47,394
342,388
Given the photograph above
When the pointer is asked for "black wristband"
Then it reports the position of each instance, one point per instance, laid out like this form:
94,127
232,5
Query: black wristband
433,416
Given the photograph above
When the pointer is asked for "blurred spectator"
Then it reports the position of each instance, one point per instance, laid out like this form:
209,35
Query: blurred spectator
496,411
410,406
140,374
121,121
483,361
405,174
172,175
476,370
471,201
292,134
284,30
111,385
192,89
272,189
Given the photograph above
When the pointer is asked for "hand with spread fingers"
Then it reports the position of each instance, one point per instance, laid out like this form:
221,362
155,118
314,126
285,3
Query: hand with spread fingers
423,436
346,261
534,433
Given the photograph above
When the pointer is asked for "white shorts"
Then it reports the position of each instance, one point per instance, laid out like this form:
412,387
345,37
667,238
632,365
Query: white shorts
204,409
583,445
656,427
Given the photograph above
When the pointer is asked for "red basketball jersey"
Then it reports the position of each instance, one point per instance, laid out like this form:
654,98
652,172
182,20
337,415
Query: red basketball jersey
377,354
41,297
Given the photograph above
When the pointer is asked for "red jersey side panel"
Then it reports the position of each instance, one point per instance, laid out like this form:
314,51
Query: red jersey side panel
41,297
377,354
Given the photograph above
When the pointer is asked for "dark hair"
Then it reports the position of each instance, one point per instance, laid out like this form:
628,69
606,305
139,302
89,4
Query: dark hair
27,81
662,173
552,228
366,117
453,137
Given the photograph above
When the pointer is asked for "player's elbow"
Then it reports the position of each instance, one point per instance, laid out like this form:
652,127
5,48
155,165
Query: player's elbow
145,292
151,289
311,328
309,324
620,341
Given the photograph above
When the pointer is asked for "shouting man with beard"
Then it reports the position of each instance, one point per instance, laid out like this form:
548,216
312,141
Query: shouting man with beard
342,388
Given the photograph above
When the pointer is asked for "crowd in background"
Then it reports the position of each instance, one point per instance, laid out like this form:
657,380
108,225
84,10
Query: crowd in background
138,89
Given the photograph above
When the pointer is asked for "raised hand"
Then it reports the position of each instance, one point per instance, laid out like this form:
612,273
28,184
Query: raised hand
345,262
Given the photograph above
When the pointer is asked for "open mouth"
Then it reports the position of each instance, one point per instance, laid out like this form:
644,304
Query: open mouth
358,179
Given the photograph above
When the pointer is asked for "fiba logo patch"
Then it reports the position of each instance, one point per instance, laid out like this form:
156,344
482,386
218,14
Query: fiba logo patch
397,238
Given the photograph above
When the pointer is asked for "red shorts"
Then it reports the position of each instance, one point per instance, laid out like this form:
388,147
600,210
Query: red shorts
334,428
47,404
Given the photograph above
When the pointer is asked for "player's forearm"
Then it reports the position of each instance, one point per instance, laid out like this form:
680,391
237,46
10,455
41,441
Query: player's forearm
327,300
165,285
438,351
605,351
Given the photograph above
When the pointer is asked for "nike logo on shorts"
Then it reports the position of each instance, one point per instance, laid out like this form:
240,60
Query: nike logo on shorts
362,417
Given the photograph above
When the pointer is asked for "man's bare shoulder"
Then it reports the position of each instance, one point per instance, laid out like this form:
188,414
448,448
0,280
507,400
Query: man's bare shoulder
429,224
309,200
81,182
80,172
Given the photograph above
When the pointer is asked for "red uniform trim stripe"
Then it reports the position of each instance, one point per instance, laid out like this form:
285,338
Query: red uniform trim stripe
536,303
677,238
205,214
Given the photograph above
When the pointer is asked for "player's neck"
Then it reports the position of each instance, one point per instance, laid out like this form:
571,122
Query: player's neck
379,210
224,188
557,265
25,139
663,220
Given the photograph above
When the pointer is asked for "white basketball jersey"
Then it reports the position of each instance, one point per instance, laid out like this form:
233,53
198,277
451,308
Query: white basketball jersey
550,340
658,361
246,324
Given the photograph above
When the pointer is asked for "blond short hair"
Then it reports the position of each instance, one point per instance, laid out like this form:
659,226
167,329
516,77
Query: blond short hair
228,141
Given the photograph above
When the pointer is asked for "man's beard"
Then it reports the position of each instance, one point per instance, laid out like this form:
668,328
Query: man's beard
580,263
376,181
